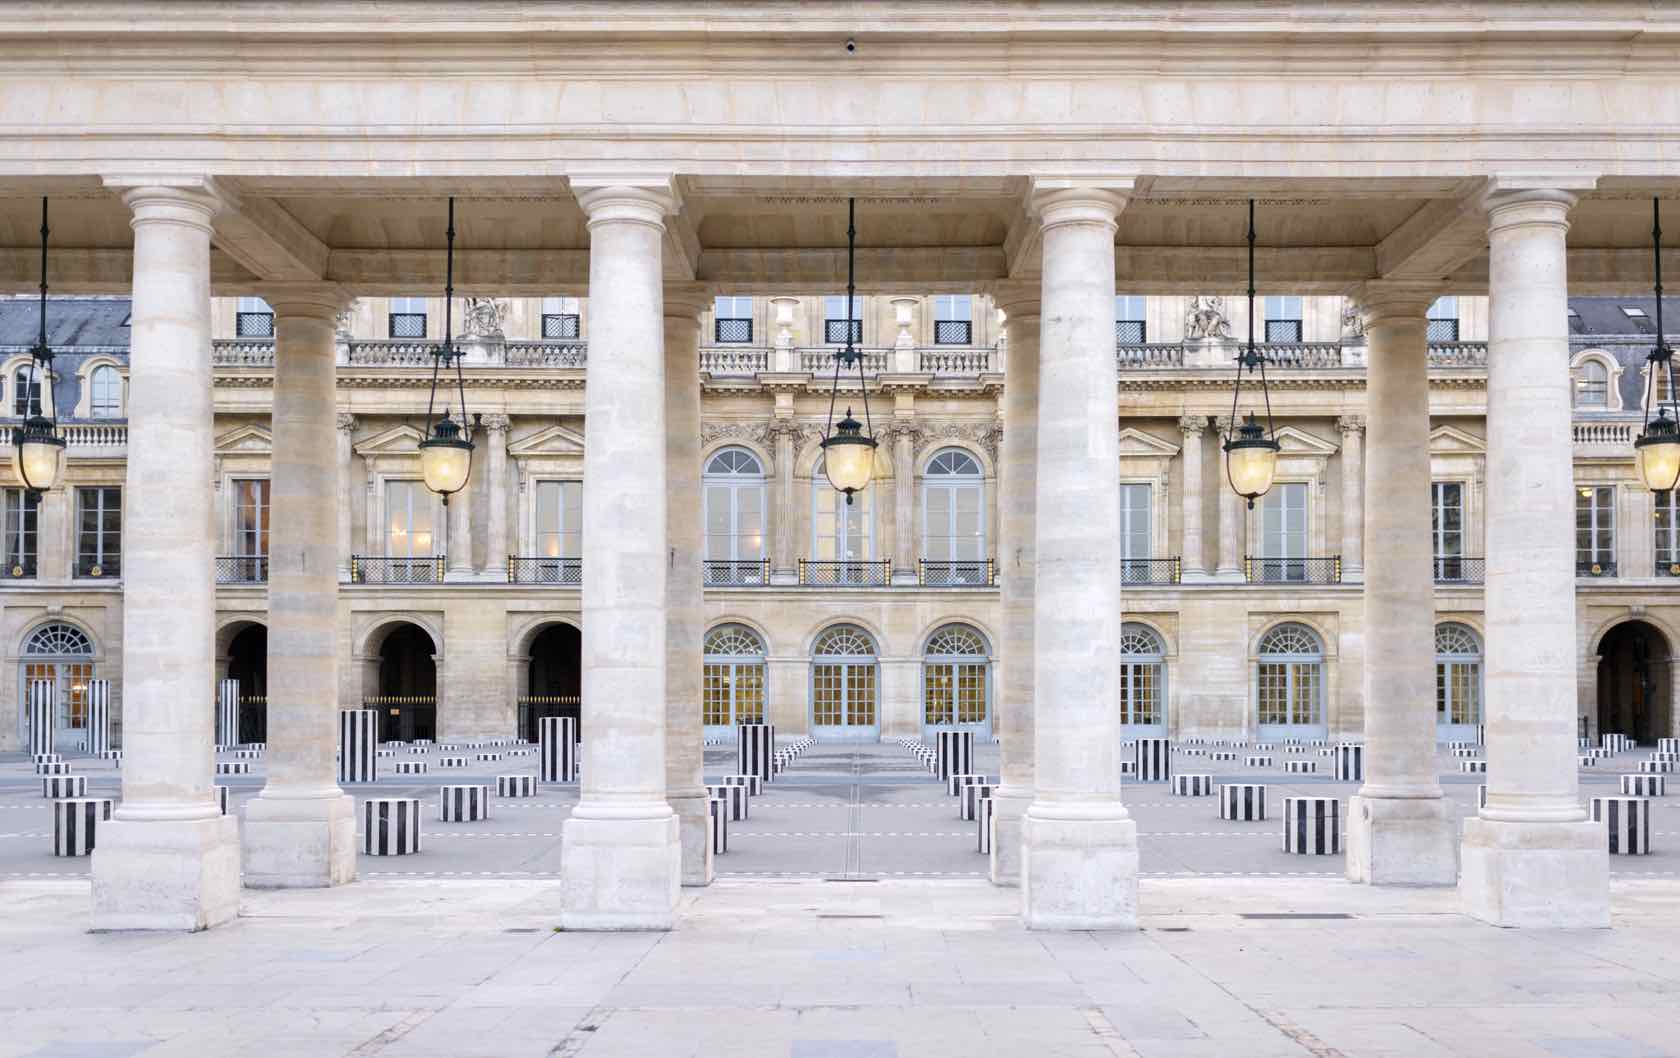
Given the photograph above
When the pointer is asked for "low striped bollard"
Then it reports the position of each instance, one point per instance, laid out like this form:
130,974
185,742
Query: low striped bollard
384,754
1350,763
233,767
1242,801
1627,823
983,824
112,755
1326,751
1257,762
419,750
452,762
957,780
76,822
1223,755
753,783
971,796
1300,767
463,804
1481,796
717,814
1464,743
411,767
485,758
516,786
1467,752
1616,743
1128,767
1312,826
55,767
1644,785
391,826
1186,785
1474,767
1668,745
1587,762
57,786
734,796
1296,748
953,753
45,758
247,754
1154,760
1656,767
1672,758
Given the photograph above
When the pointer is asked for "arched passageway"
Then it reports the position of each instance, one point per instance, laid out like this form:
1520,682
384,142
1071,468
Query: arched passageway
247,662
407,700
553,679
1635,695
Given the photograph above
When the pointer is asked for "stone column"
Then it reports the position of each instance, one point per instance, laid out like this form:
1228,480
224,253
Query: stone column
1017,535
459,514
1190,458
301,831
496,486
905,546
620,858
1530,856
1352,428
168,859
784,569
346,485
1399,829
1079,846
1230,518
685,620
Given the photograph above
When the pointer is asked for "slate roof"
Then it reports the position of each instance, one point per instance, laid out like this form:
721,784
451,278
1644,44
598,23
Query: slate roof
71,322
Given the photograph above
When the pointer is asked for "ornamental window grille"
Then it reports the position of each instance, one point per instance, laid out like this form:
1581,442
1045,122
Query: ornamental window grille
1443,320
834,319
1129,325
406,318
58,640
1283,319
253,318
844,641
732,319
953,319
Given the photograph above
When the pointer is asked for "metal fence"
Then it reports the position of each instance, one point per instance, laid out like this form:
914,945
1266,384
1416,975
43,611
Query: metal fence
736,573
241,569
1150,570
375,569
970,573
1325,570
561,572
845,574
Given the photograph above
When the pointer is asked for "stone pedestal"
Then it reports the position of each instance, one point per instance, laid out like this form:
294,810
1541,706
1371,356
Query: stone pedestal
1533,875
1401,841
302,842
620,873
1078,872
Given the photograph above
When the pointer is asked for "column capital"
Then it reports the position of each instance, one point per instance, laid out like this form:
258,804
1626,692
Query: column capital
635,200
1351,424
180,199
1018,298
496,422
1381,300
322,301
1526,207
1089,200
686,301
346,422
1192,425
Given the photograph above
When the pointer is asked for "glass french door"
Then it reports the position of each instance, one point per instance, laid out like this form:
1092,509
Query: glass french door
843,701
70,692
732,692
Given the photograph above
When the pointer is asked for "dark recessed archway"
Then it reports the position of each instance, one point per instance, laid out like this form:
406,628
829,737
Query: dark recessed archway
248,663
1635,695
554,674
407,701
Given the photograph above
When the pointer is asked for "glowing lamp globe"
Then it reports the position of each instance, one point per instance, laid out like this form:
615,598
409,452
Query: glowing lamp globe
848,457
445,458
1657,453
37,454
1251,461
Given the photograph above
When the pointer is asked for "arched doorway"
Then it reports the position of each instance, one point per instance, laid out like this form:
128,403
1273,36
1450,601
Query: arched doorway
1634,693
732,680
407,701
1143,682
843,686
62,653
553,684
248,663
956,682
1289,684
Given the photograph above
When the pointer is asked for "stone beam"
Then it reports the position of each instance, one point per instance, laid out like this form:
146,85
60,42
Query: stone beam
500,272
1436,241
101,271
801,270
269,242
1278,270
1591,272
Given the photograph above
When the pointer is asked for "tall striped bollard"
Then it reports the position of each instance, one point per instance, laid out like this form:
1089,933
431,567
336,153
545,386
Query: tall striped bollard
41,720
755,747
557,748
227,712
358,743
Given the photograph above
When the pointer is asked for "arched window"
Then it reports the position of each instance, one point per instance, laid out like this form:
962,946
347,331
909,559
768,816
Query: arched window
734,487
62,654
1592,384
843,681
105,398
1290,678
955,678
1142,677
732,687
954,520
1458,676
840,532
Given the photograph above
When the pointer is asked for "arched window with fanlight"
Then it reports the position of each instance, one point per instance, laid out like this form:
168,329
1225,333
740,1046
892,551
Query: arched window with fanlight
1289,682
954,520
1143,681
62,654
733,481
1458,681
842,535
105,393
1592,384
956,680
844,700
732,680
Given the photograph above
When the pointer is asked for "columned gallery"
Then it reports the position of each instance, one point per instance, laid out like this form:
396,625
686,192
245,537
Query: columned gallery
1084,374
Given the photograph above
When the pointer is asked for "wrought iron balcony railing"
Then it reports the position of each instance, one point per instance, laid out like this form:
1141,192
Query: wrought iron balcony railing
254,324
844,573
834,332
736,573
1322,570
105,567
1151,570
560,572
1595,567
1458,569
18,569
958,573
953,332
377,569
241,569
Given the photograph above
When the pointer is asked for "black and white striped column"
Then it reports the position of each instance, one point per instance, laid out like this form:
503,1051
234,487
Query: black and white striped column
558,746
516,786
463,804
971,796
411,767
717,810
99,717
734,796
1312,826
1242,801
953,753
75,822
1154,760
1627,821
227,712
754,746
56,786
41,719
1645,786
391,825
358,745
1192,785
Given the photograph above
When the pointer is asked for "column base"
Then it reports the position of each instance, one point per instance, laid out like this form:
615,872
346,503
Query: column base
622,872
694,834
1079,872
299,842
166,874
1229,576
1009,805
1401,841
784,578
1535,875
904,578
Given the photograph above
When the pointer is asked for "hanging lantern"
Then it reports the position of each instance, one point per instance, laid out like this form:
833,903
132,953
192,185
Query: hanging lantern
446,453
849,452
37,446
1250,451
1657,449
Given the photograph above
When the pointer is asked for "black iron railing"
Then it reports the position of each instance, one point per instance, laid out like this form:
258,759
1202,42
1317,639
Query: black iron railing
1456,569
253,324
561,572
1151,570
845,574
1131,332
377,569
732,329
560,325
1442,331
953,332
241,569
959,573
405,325
107,567
1283,332
736,572
1595,567
1261,570
834,332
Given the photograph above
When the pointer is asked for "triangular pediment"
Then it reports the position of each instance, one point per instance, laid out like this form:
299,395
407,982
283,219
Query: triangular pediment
245,439
398,440
1134,442
1297,442
1446,439
548,441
